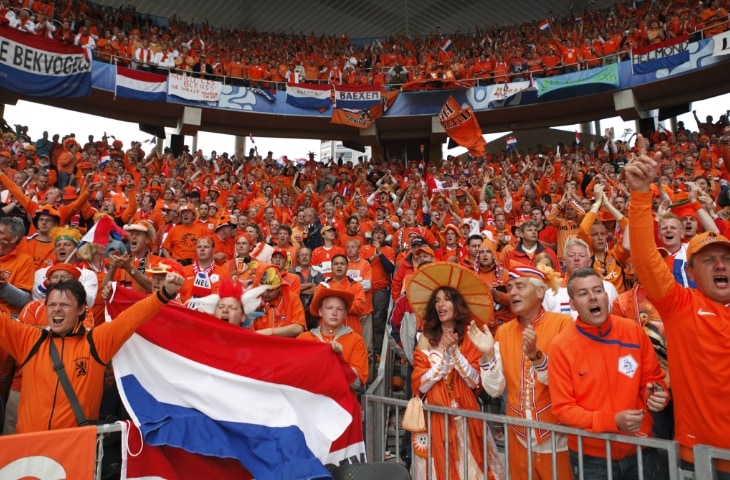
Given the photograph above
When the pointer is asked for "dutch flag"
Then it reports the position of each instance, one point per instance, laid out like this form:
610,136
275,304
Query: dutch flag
544,25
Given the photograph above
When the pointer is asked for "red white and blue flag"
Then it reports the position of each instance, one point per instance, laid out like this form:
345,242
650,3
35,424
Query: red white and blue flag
102,230
544,25
139,85
447,44
577,137
305,95
281,408
42,67
511,142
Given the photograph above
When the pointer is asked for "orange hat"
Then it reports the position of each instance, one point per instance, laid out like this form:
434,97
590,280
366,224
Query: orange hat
84,166
270,277
431,277
186,207
246,236
280,251
66,267
225,221
70,141
521,270
703,240
453,228
327,228
424,249
69,193
682,207
164,266
156,188
323,291
141,226
5,153
46,210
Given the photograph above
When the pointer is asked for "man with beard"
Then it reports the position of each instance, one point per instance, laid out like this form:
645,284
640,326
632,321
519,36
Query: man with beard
309,279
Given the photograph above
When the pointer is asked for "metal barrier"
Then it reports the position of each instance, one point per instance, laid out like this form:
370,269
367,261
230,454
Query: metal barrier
704,457
375,408
103,431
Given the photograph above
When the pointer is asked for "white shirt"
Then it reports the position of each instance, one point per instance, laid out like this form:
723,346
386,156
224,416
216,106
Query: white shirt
560,302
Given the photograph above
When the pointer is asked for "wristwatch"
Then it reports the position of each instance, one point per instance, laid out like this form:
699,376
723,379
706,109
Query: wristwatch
538,356
132,270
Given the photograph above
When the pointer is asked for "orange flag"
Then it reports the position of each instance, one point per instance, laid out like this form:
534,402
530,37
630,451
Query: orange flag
461,126
67,453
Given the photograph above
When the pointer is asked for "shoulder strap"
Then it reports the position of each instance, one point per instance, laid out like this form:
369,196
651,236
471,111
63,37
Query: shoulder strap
66,384
34,349
92,346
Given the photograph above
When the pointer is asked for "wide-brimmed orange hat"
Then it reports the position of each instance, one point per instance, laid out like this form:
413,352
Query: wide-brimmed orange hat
431,277
324,290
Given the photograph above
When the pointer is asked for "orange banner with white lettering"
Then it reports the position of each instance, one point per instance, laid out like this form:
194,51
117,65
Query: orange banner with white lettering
461,126
68,453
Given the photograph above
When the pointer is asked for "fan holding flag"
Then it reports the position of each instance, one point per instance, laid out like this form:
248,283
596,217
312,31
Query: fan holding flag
43,405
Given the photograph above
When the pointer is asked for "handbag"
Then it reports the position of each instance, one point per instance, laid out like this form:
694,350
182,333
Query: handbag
414,419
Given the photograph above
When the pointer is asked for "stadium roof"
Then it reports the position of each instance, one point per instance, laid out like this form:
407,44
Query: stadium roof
361,18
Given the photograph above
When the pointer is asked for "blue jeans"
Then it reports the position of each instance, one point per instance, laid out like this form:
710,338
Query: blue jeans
595,468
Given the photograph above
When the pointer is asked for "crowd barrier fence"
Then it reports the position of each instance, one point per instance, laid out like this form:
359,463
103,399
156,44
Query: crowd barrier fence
383,415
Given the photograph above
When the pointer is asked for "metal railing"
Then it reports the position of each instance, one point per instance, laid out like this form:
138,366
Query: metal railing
383,415
377,411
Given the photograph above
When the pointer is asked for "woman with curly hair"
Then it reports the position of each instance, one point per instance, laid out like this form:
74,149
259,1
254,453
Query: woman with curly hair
446,373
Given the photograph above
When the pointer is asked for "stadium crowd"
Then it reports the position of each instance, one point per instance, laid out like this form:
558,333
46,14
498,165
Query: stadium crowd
247,221
578,40
251,239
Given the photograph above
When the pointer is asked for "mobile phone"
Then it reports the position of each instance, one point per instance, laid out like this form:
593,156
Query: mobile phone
657,387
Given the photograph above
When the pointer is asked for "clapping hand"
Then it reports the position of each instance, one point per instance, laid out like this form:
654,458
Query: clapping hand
482,339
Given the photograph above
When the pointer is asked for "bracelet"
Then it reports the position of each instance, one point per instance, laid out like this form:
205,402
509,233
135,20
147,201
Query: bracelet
489,364
167,294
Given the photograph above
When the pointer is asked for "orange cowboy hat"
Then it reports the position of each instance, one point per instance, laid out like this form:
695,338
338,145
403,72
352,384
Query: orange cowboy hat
323,291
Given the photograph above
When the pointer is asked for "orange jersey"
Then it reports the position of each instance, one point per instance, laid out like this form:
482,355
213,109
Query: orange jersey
596,372
697,337
182,239
41,406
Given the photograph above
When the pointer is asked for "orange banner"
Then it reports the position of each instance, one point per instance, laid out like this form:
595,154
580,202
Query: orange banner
365,117
461,125
68,453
